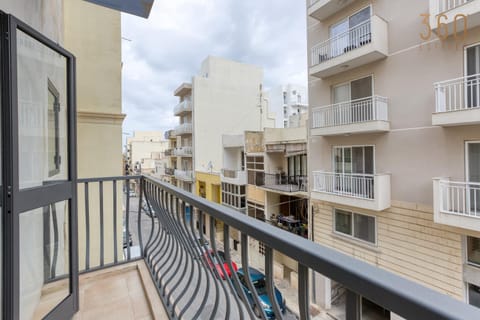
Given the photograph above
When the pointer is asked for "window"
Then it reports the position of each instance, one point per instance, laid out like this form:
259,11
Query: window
473,251
233,195
474,295
357,159
355,225
256,210
255,171
297,165
284,97
53,130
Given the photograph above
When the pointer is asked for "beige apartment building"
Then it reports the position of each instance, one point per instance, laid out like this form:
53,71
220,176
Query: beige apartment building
394,139
264,175
146,152
225,97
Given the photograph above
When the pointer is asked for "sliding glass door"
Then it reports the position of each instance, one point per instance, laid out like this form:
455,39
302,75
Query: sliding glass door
354,169
473,176
38,109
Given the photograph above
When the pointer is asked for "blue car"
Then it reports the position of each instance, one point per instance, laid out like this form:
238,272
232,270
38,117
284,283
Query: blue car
258,280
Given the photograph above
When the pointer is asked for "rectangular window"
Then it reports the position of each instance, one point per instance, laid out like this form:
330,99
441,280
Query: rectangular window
355,225
256,210
474,295
473,251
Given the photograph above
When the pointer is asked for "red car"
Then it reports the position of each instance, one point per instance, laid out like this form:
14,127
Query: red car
212,261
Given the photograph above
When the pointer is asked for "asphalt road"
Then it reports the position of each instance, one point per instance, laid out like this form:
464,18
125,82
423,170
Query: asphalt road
184,276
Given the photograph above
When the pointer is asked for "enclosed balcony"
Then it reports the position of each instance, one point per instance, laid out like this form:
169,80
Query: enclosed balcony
456,203
184,175
367,191
186,151
457,101
322,9
238,177
454,17
362,44
183,129
356,116
182,108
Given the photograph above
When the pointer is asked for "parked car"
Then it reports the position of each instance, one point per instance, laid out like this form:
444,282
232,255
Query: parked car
129,242
213,262
147,210
258,280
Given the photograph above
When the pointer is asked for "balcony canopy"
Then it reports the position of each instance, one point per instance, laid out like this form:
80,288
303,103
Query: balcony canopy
139,8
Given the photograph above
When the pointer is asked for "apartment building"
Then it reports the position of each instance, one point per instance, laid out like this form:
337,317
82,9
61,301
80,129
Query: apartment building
145,150
394,139
225,97
264,175
288,101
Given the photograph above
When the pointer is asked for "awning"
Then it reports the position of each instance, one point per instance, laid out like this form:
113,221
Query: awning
139,8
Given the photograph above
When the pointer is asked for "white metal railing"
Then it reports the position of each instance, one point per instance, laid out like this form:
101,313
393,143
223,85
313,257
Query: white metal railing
345,184
460,198
355,37
446,5
183,151
348,112
457,94
184,128
185,175
183,106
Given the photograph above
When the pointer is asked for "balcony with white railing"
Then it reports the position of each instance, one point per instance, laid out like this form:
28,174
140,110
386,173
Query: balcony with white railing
457,101
186,151
356,116
184,175
456,203
360,45
183,129
322,9
454,17
367,191
237,177
183,107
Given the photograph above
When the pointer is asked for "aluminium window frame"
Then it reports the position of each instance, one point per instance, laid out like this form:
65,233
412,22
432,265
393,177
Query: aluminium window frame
352,236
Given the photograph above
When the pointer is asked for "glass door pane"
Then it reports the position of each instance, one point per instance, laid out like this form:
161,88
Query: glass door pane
473,175
341,112
339,38
361,35
361,95
472,86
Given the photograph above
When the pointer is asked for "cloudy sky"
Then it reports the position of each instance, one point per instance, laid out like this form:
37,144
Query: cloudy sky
167,49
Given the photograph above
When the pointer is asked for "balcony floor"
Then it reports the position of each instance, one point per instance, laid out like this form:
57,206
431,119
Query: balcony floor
121,292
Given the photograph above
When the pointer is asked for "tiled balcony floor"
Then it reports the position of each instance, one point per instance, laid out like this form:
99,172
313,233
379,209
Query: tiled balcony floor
122,292
117,293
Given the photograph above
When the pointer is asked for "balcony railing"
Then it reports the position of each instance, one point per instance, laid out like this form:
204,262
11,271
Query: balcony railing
355,37
457,94
169,152
183,151
170,171
184,128
282,182
238,177
165,232
460,198
185,175
166,238
345,184
446,5
184,106
170,134
373,108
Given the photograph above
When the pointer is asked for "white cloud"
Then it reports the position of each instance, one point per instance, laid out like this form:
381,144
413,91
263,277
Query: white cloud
167,49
